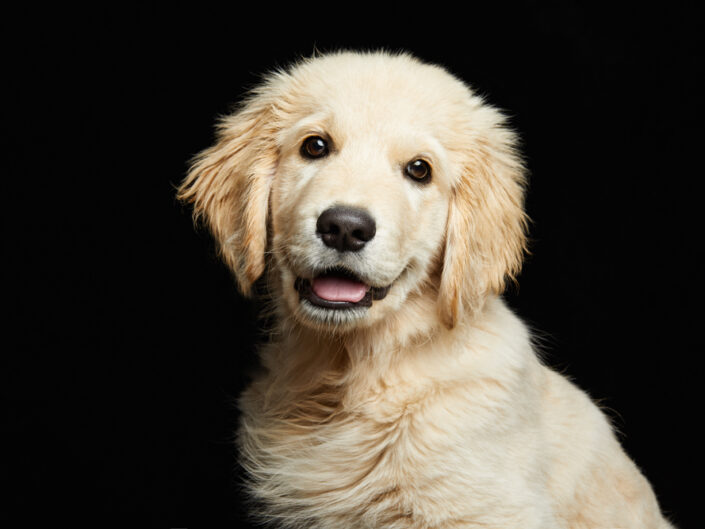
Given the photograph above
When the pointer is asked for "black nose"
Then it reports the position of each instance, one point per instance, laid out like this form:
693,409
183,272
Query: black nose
346,229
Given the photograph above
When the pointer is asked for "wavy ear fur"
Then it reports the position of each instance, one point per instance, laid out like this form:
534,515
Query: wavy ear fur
485,236
229,183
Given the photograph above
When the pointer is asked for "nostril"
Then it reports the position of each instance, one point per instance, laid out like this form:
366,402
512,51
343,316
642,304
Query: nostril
362,235
326,223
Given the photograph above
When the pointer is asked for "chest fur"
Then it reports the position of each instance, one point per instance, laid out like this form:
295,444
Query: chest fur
401,458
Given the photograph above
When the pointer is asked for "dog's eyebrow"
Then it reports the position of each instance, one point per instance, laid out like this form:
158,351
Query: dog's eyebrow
307,126
428,148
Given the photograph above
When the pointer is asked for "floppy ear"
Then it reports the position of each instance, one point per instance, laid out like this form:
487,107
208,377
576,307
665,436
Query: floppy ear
229,183
485,235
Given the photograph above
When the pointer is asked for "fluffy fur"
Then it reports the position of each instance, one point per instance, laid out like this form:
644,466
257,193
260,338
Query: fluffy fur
429,409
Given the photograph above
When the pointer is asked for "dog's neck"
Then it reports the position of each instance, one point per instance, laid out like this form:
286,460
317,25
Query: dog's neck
377,352
331,374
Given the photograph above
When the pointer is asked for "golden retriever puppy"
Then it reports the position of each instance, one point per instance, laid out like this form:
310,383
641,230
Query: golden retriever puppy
382,200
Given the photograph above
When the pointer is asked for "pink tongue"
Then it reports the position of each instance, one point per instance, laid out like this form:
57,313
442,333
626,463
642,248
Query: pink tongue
339,289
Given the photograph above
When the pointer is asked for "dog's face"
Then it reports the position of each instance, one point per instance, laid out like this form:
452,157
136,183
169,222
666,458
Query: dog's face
367,178
359,201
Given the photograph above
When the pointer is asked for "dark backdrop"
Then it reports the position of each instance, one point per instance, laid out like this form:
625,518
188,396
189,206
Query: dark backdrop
126,342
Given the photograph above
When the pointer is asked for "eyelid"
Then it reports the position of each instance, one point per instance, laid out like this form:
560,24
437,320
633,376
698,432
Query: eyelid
317,134
426,157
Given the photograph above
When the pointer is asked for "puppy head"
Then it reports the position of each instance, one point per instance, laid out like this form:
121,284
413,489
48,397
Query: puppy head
367,178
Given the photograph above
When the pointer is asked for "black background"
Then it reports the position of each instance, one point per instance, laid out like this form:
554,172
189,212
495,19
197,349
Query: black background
126,342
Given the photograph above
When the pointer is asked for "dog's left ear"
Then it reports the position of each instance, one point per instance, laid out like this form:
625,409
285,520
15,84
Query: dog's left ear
229,185
485,235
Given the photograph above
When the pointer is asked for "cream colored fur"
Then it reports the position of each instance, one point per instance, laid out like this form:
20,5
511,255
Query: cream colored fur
430,409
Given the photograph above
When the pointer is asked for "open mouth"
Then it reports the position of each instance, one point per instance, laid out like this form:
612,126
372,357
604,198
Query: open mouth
338,288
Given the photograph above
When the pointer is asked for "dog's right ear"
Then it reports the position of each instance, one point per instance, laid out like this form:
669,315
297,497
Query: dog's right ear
229,184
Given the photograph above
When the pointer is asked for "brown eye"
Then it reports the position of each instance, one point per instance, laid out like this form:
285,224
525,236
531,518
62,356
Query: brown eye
418,170
314,147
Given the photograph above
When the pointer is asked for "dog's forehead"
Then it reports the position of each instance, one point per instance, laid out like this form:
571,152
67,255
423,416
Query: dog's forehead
368,92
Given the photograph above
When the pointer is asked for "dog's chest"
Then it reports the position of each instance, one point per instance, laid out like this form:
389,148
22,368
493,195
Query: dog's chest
380,462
